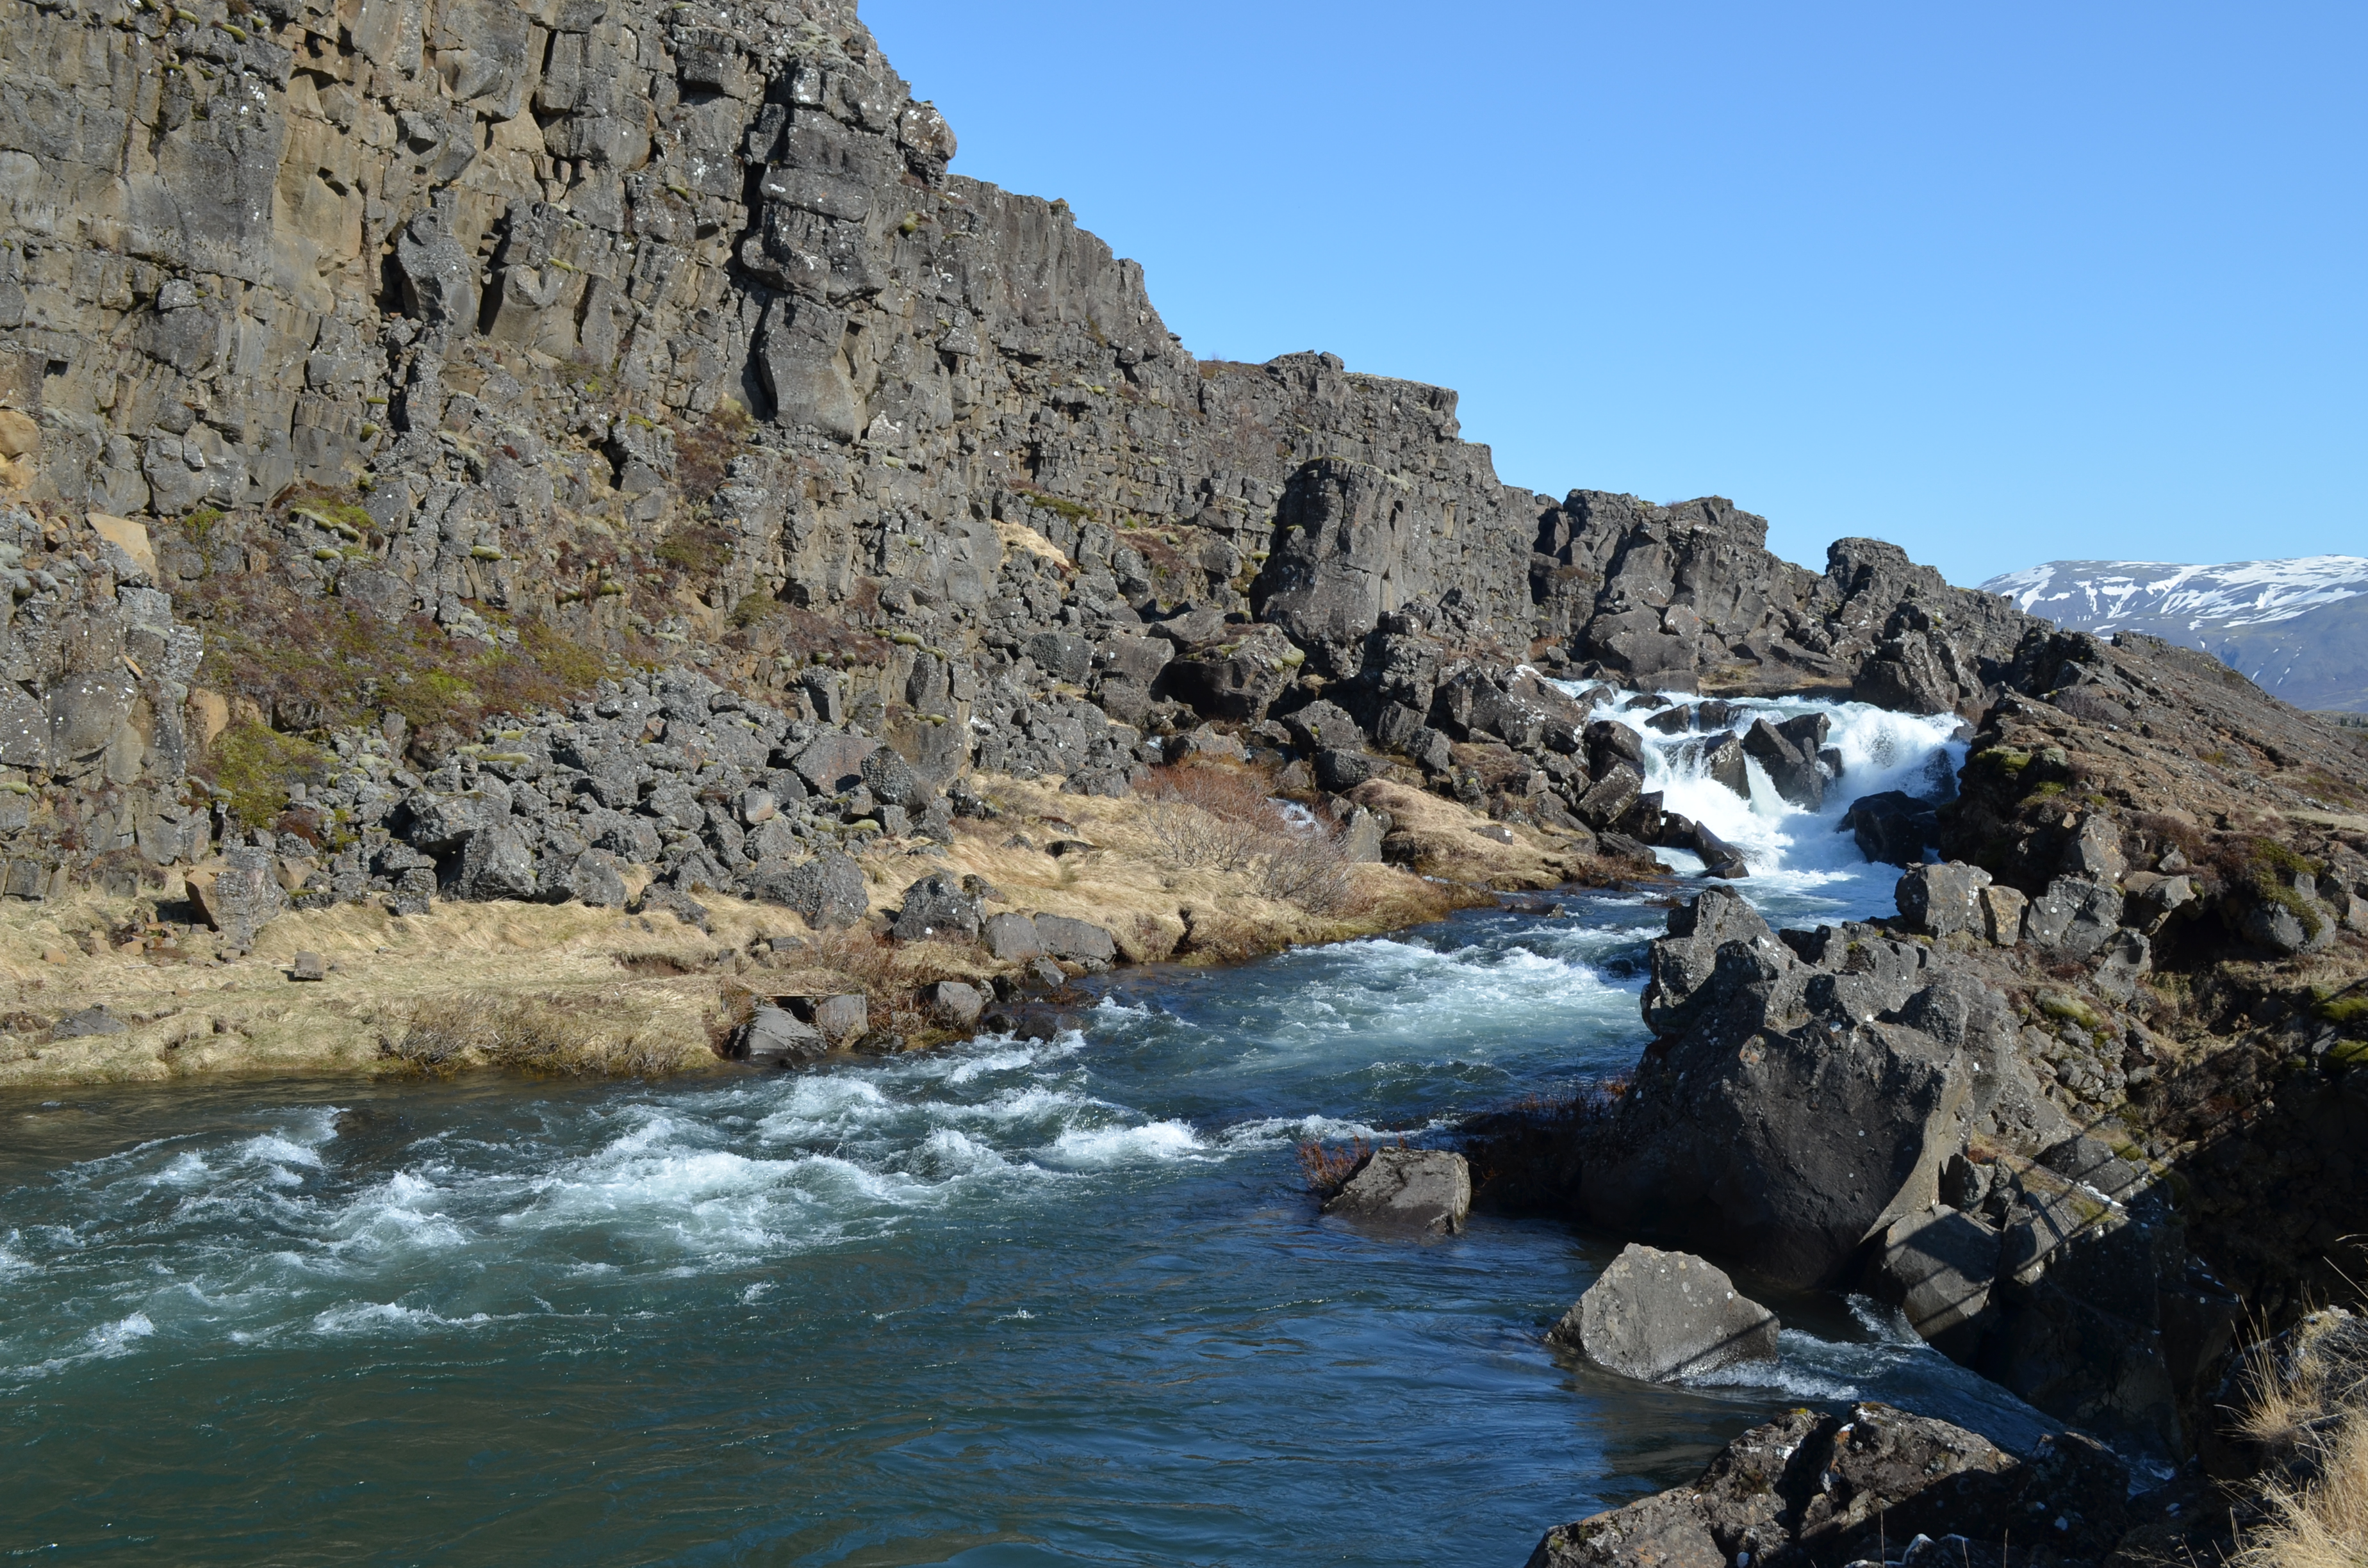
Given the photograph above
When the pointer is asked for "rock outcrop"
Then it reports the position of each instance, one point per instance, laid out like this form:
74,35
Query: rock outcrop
1811,1488
419,365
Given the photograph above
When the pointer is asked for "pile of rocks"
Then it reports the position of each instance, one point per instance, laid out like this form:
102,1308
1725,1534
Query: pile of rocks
1878,1485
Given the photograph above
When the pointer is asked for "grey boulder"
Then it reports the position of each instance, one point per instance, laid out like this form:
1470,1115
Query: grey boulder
1656,1316
89,1021
1423,1189
828,890
1012,938
955,1003
1943,900
937,909
1077,940
775,1037
1936,1267
239,897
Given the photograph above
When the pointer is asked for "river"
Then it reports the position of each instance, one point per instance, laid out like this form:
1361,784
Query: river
1013,1303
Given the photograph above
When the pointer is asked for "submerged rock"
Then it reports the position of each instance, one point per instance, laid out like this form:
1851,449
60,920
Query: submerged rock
1657,1316
1424,1189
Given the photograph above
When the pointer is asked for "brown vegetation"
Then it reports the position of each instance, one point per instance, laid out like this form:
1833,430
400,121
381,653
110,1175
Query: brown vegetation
2309,1409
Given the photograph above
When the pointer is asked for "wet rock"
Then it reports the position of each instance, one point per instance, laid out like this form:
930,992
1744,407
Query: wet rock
1815,1488
1720,859
1047,974
840,1018
1610,797
1893,826
1788,754
775,1037
1423,1189
955,1003
1721,759
1791,1110
1684,962
242,895
1657,1316
1943,900
1936,1265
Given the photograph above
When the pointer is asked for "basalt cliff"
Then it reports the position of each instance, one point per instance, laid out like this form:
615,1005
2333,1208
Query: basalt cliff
595,454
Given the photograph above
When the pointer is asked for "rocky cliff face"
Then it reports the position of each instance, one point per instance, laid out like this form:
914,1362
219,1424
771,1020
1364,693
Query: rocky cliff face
605,328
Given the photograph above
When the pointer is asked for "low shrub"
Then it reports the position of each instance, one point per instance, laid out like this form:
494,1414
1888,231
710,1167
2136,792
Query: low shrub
1330,1169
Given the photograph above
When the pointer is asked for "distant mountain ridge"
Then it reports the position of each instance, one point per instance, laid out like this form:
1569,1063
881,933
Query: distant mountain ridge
2296,628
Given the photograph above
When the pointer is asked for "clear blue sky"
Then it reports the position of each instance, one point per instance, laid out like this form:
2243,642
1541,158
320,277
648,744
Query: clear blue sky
2004,282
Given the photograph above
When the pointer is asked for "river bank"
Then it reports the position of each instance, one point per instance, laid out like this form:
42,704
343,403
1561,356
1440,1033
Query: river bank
599,991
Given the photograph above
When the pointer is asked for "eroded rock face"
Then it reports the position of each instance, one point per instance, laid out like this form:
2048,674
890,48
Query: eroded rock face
1657,1316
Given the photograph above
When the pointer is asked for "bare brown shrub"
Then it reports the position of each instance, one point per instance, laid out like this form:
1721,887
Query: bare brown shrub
2309,1409
1328,1169
1216,818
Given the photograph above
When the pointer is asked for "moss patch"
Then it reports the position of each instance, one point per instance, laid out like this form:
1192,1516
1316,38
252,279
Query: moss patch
256,765
2069,1010
337,664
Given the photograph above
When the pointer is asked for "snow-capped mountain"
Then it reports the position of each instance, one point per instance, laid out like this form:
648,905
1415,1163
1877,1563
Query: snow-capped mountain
2299,628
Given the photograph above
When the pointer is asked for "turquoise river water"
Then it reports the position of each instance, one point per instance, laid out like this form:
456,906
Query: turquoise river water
1013,1303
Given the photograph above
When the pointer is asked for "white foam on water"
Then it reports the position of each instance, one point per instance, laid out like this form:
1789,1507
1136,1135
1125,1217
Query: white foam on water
1103,1148
355,1318
104,1343
1290,1131
1793,852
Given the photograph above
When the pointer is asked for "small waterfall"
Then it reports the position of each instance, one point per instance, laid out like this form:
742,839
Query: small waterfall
1788,847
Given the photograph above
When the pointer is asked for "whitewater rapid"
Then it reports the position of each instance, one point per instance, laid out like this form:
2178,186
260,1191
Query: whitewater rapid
1019,1302
1800,859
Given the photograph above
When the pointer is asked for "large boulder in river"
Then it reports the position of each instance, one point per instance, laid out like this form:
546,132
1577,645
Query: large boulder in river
1788,752
1656,1316
1422,1189
1791,1109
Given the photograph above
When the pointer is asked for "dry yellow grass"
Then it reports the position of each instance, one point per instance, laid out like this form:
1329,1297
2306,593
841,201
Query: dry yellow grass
574,990
2309,1412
